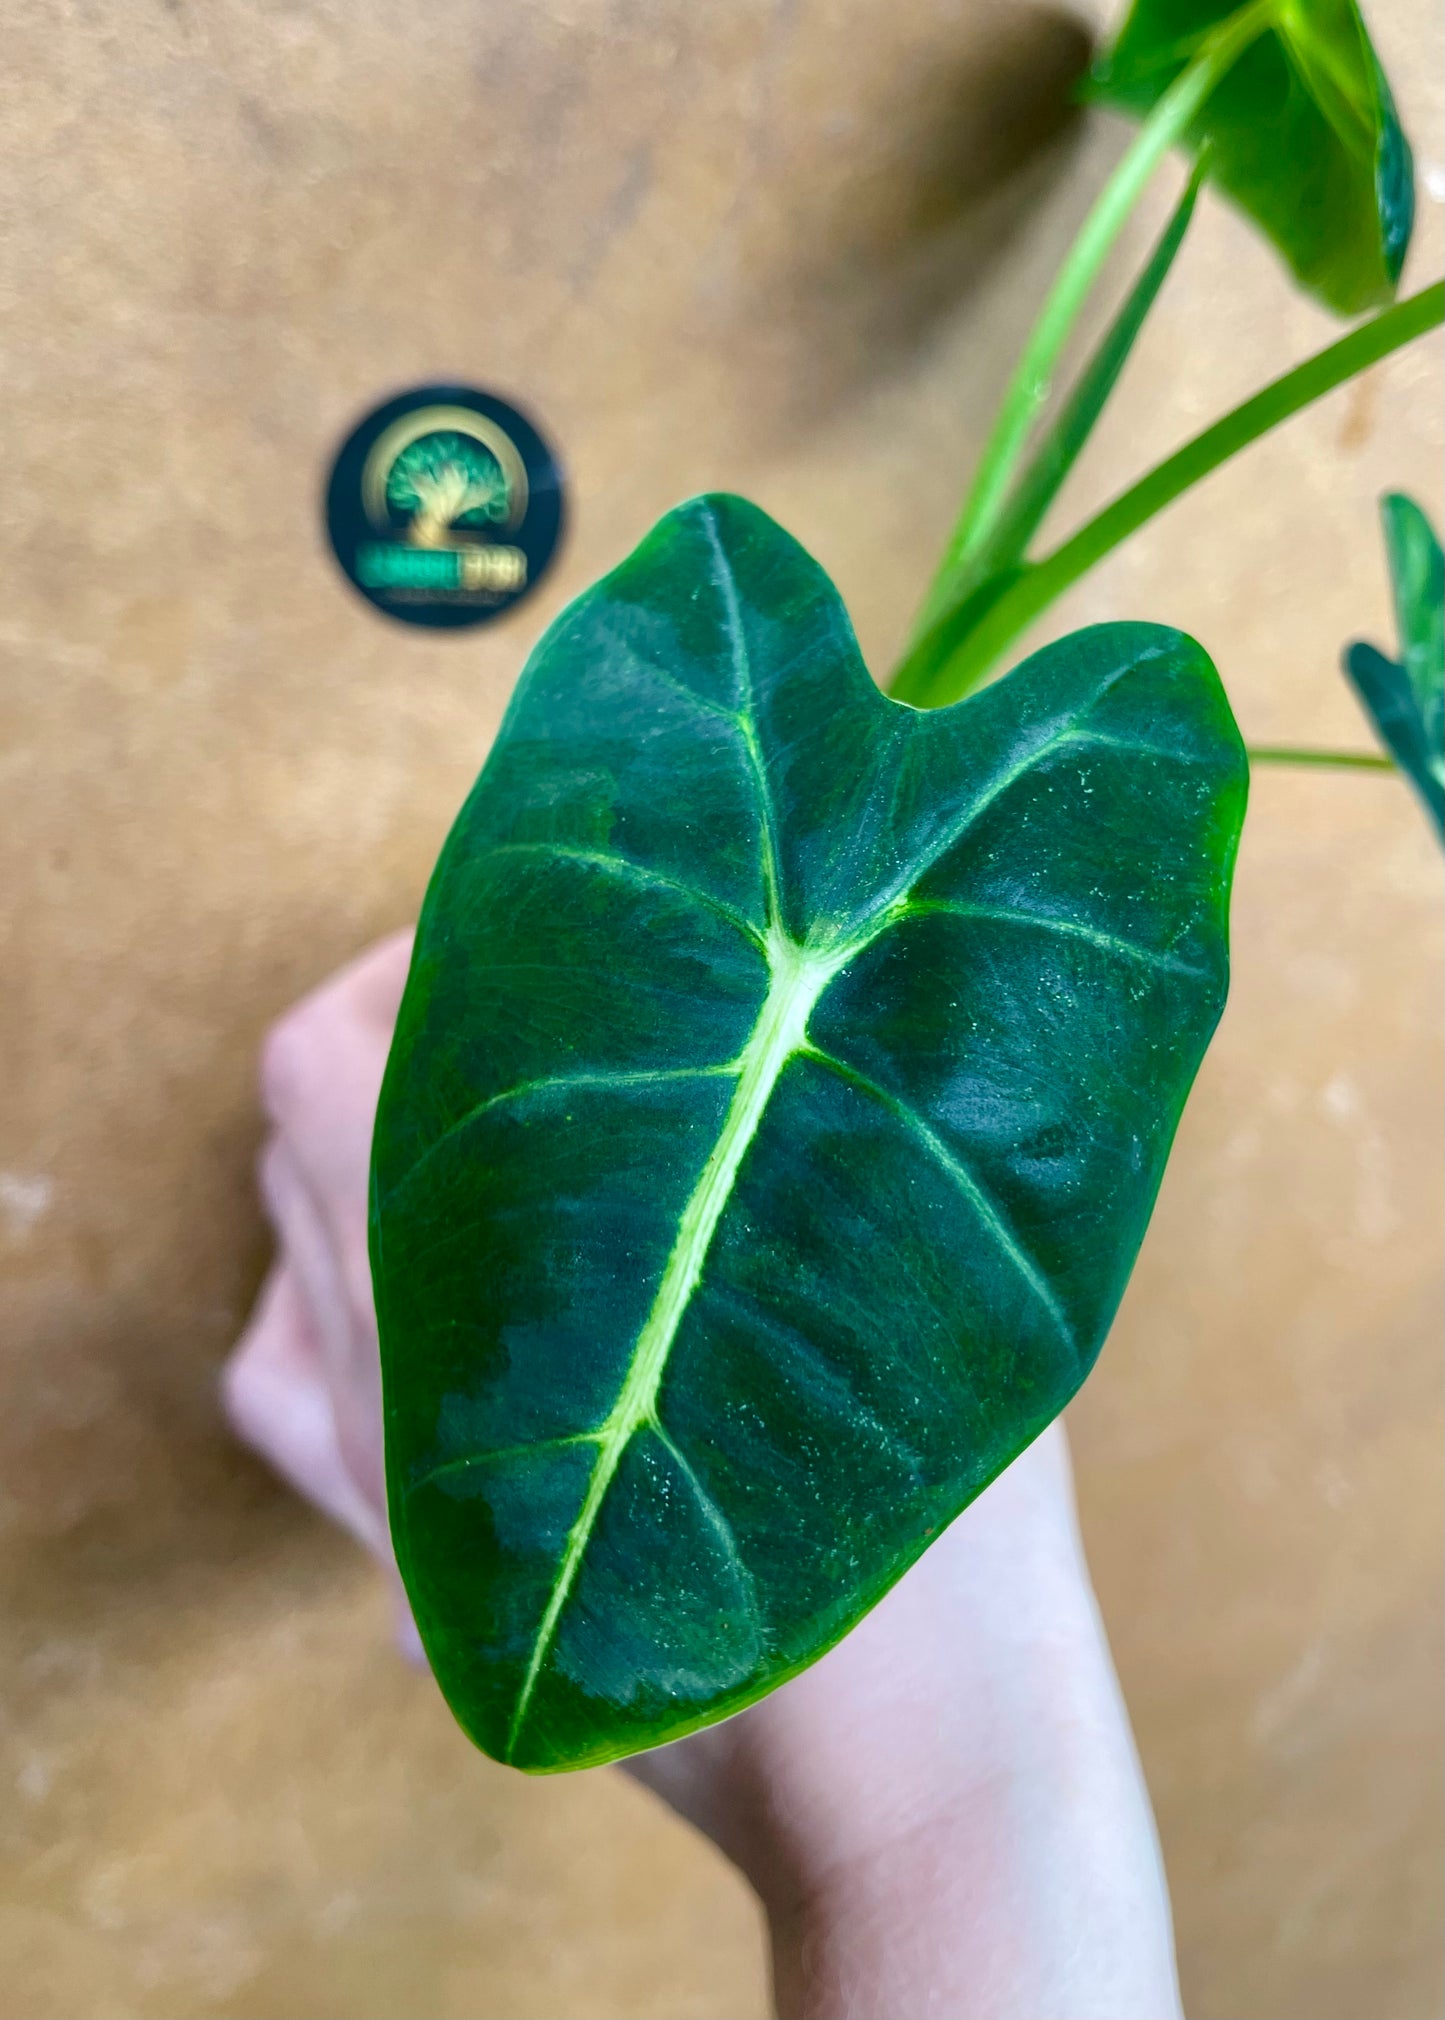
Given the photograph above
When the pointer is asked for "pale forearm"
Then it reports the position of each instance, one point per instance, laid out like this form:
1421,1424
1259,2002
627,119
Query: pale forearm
946,1921
948,1816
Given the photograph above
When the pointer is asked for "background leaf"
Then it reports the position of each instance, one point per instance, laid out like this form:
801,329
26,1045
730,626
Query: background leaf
1303,135
1405,699
777,1103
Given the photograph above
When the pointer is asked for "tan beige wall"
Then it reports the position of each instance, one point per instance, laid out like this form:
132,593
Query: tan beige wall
785,249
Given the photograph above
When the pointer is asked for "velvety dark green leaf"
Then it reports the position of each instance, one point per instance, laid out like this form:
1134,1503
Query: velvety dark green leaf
1405,699
1302,130
779,1096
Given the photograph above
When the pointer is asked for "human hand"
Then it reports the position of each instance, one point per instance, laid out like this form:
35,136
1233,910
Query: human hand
945,1814
303,1384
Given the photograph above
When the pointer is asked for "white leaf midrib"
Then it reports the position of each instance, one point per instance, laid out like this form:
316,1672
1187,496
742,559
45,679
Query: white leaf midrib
798,978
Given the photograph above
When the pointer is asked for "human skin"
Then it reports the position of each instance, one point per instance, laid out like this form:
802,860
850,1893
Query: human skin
945,1815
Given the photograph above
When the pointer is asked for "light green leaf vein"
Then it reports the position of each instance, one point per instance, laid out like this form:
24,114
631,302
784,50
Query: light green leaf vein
715,1519
1009,915
886,913
727,588
656,671
1132,747
552,1082
1004,1238
630,872
798,979
471,1462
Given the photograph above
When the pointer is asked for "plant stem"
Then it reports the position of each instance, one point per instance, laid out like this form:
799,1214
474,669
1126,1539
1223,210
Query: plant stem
1345,760
997,559
1041,482
1029,388
965,666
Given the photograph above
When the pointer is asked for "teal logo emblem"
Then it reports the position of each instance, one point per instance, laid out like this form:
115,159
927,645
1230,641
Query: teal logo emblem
445,506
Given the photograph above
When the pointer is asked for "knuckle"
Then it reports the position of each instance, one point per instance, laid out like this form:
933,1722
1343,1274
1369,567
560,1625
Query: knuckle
270,1176
242,1397
288,1053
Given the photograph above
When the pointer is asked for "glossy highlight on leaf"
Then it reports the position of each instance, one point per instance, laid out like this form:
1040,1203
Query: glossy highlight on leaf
1405,698
779,1097
1302,132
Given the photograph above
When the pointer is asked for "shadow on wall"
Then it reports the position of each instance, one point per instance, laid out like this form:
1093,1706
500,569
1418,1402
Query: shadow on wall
898,210
873,199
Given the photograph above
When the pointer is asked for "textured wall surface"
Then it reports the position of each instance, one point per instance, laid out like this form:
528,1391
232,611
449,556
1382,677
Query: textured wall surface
787,249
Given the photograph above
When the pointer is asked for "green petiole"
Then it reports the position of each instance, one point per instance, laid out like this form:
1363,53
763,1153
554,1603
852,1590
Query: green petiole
1030,385
1059,451
996,562
1342,760
964,652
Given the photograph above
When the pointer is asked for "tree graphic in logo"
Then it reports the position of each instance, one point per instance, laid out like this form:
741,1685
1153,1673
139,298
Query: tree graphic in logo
446,480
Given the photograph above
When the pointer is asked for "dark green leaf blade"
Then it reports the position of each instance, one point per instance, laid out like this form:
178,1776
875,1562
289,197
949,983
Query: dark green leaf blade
778,1099
1405,699
1303,134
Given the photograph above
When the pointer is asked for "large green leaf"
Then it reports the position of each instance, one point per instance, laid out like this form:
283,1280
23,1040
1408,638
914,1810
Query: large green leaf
779,1096
1302,133
1406,698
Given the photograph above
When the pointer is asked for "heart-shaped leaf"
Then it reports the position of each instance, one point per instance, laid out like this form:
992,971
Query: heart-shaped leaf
779,1096
1405,699
1302,134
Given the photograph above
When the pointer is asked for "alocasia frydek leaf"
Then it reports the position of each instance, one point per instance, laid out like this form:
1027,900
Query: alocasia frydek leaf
1302,133
781,1089
1405,698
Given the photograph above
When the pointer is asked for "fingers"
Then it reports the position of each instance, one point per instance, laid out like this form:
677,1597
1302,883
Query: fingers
344,1330
278,1402
321,1069
303,1386
407,1638
376,978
